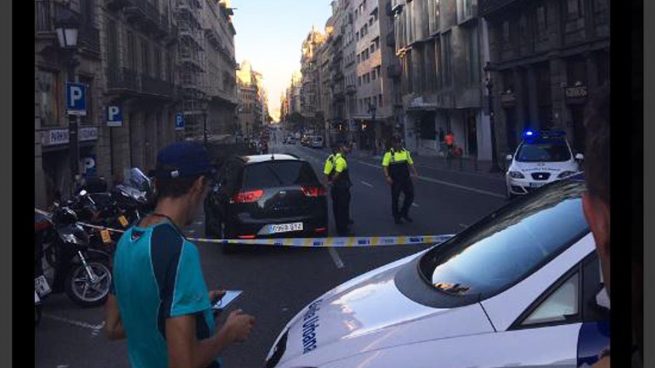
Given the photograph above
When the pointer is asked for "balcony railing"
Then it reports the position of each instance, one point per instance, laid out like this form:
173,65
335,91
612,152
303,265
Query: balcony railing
89,38
123,79
156,86
44,10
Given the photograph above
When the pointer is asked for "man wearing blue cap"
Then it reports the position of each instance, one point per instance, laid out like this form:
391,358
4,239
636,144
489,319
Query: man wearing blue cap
159,299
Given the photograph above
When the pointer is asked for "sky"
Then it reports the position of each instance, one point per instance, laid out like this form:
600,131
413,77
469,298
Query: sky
270,35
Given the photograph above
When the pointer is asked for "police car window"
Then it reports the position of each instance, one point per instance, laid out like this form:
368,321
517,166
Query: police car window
560,306
276,174
509,247
544,151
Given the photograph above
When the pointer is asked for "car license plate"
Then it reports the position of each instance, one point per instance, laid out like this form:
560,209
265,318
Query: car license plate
41,286
285,228
123,221
106,237
536,185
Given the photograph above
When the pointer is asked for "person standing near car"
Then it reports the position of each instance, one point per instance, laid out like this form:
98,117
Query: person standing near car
159,300
397,163
596,208
328,167
340,190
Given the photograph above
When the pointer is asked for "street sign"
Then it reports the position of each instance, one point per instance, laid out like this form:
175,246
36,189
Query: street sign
89,165
179,121
76,99
114,116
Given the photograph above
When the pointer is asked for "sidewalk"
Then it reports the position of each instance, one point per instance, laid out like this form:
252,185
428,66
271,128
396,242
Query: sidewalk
463,165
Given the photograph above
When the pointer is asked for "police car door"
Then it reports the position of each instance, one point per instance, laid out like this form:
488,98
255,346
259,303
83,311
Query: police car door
563,327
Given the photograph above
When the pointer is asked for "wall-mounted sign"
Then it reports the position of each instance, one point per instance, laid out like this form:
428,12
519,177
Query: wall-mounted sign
576,92
76,99
179,121
114,116
88,134
54,136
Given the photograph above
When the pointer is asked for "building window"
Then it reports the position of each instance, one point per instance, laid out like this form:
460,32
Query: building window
157,60
574,9
447,59
380,103
542,21
49,92
438,68
357,36
373,74
145,57
359,81
506,33
131,51
437,14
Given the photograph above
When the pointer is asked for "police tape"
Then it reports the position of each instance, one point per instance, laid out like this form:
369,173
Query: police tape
345,242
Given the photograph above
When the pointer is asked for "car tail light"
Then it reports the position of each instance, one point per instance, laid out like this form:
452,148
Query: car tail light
248,197
320,229
314,191
246,236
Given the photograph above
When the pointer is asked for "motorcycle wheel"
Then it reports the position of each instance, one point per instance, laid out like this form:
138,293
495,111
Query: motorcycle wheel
80,289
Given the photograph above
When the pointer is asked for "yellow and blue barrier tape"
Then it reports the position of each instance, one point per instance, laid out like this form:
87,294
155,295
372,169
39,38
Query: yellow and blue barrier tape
345,242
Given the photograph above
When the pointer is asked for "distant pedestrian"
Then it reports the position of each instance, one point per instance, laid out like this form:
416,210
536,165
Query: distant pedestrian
397,163
159,300
450,143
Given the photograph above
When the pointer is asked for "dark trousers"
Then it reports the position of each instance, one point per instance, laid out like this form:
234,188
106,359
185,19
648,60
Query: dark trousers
407,188
341,208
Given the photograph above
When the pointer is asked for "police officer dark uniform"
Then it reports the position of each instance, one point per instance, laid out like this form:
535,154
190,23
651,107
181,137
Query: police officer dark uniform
396,164
328,168
340,191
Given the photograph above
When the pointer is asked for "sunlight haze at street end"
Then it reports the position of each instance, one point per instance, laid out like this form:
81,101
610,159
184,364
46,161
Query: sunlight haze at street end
270,34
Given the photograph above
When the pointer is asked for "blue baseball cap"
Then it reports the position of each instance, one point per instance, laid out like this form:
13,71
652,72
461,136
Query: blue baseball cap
183,160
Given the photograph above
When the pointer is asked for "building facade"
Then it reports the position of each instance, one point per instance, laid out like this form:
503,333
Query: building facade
438,43
250,111
547,56
53,153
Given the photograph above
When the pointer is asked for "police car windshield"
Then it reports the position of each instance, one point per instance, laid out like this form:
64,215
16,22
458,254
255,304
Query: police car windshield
509,246
544,151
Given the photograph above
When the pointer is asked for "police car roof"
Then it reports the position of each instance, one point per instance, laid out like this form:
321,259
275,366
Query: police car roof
272,157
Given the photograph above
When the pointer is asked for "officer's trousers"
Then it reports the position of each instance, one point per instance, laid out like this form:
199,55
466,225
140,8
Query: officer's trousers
341,208
407,188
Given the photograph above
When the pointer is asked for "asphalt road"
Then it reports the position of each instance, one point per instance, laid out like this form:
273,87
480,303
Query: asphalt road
278,282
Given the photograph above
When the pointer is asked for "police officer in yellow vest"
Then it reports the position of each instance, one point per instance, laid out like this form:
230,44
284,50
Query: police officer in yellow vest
397,163
328,168
340,190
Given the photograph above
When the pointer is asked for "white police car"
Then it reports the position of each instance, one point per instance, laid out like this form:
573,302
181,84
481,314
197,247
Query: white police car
541,158
520,288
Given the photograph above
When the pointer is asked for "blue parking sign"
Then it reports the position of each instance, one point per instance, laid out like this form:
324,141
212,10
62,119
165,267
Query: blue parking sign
114,116
179,121
76,99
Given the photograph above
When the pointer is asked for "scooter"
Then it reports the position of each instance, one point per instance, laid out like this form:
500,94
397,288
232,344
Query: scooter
65,262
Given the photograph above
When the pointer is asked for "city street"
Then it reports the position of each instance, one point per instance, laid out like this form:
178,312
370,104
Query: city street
278,282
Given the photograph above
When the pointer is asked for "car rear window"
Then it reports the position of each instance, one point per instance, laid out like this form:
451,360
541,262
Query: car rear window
509,247
278,174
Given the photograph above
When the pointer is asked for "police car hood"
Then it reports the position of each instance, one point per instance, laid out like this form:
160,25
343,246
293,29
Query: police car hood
370,313
552,167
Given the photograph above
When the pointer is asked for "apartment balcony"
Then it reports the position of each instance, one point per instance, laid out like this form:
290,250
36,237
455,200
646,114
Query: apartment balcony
122,80
214,39
351,89
89,39
156,86
116,4
394,71
489,6
391,39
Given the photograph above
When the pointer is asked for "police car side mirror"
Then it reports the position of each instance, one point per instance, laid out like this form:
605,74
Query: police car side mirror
509,157
579,157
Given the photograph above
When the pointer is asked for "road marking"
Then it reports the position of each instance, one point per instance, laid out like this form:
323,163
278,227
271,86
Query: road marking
95,328
463,226
335,257
479,191
367,184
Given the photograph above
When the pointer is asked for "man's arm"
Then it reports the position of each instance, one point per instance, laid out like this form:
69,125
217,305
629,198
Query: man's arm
185,350
386,174
113,325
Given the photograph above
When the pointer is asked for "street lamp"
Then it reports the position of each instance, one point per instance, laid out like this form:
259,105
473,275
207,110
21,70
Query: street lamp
67,26
489,84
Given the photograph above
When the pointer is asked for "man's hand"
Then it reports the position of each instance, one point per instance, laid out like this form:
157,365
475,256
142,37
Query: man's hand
216,295
238,326
389,180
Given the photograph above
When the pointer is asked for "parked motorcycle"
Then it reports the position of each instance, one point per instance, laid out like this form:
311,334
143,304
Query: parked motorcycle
65,262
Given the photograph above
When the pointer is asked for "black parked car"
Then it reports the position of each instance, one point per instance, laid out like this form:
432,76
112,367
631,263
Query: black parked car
266,196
